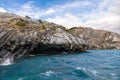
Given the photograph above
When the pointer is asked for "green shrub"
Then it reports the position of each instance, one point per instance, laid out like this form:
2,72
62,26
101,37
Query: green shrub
27,17
21,19
40,21
43,27
21,23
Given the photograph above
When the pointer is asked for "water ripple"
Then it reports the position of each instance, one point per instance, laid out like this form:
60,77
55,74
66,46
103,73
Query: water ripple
93,65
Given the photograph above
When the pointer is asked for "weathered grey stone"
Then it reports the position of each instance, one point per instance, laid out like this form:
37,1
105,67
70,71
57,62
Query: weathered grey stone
98,39
44,37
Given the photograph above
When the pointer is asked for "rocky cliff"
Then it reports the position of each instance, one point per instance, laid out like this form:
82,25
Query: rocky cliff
23,36
97,39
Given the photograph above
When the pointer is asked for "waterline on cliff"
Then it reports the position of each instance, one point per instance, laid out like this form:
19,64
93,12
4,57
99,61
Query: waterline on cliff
6,62
93,65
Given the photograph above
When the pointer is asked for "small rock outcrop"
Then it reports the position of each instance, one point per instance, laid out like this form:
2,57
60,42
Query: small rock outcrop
22,36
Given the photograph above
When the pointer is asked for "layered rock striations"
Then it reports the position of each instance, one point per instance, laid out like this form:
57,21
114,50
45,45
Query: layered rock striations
22,36
97,39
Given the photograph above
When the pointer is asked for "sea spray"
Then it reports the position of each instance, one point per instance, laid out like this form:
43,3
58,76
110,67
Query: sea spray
6,62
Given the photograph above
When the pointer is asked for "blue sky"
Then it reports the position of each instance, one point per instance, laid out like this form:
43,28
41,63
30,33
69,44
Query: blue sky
98,14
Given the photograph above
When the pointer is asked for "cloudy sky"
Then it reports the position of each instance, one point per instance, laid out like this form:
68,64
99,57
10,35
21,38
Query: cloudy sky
98,14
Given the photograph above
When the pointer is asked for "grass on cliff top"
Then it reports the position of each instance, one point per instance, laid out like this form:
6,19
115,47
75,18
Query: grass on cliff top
21,23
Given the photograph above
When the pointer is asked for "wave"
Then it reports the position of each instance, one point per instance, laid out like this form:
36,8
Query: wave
48,73
6,62
91,73
20,79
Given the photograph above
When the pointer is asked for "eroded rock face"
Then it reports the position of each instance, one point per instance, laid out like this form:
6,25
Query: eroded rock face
98,39
36,38
22,36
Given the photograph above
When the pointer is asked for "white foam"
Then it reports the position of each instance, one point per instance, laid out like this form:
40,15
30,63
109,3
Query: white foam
78,68
31,55
6,62
112,74
20,79
48,73
92,73
81,68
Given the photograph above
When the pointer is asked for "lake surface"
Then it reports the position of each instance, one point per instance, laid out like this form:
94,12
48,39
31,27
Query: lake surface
90,65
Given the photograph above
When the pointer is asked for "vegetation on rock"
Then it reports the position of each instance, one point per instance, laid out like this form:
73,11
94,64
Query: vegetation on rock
43,37
21,23
40,21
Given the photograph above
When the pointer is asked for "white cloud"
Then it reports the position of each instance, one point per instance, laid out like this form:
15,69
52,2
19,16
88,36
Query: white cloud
28,9
104,4
68,20
115,8
105,15
2,10
73,4
106,19
50,11
31,10
35,12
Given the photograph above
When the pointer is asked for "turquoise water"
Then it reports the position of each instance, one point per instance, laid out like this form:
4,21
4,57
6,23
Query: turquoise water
90,65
